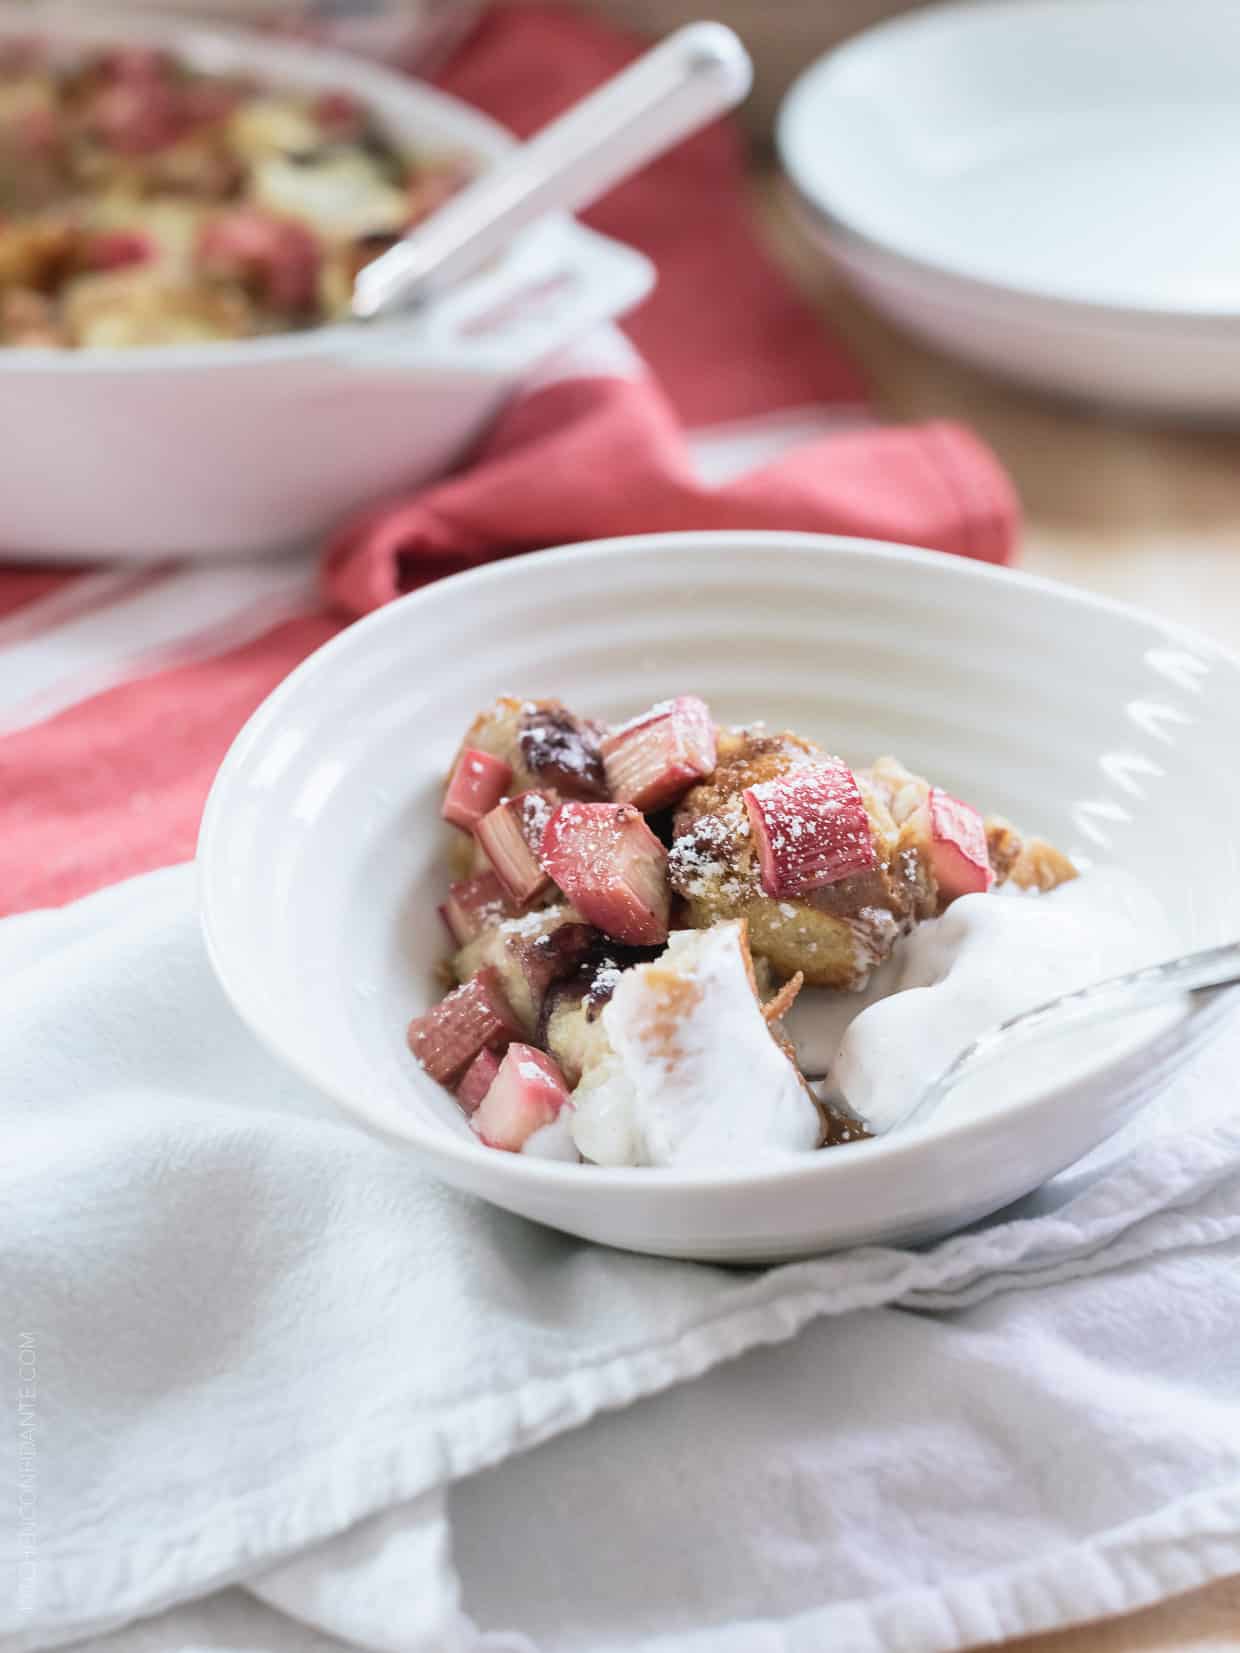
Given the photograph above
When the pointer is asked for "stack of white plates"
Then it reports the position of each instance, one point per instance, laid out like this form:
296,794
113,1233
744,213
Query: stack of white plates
1048,188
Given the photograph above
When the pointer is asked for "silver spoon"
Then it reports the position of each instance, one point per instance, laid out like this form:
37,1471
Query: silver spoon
1136,990
697,73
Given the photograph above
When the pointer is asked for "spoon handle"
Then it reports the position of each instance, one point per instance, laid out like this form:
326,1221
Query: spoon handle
1137,990
698,72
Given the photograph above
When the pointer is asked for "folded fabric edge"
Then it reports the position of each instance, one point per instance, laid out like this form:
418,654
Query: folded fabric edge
1180,1547
342,1489
1157,1236
960,499
988,505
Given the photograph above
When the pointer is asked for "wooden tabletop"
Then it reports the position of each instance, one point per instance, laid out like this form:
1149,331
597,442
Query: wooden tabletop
1147,514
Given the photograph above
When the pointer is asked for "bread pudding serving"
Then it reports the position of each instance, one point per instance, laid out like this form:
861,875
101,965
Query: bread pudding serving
637,907
144,203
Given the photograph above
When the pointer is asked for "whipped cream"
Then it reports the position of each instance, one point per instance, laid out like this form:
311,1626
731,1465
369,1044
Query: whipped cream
987,958
693,1076
554,1141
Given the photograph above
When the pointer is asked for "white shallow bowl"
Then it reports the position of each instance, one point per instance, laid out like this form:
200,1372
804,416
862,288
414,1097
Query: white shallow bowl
235,449
1045,188
322,856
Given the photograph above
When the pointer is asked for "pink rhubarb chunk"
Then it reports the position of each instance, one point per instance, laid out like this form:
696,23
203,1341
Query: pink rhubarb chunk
340,115
276,258
612,868
116,249
510,836
473,904
478,783
526,1094
473,1018
136,117
957,840
810,827
653,760
479,1077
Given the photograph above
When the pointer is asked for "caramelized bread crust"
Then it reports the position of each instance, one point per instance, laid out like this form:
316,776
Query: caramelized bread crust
837,934
834,935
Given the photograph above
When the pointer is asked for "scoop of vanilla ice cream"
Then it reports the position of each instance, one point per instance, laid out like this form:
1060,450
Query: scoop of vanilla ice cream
693,1076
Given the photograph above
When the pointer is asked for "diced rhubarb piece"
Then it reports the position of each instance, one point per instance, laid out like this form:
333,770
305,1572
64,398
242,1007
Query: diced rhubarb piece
136,65
340,115
36,134
478,783
956,837
205,102
651,761
510,835
275,258
473,904
473,1018
612,868
115,249
526,1094
810,827
137,117
479,1077
22,54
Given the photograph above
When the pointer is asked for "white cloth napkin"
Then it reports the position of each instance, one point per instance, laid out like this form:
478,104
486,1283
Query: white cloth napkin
278,1390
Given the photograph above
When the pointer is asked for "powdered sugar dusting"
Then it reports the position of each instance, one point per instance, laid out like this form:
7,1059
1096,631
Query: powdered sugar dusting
708,861
810,827
527,924
606,978
661,708
536,810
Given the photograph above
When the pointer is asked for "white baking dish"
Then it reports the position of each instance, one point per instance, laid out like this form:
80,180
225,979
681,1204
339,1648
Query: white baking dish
241,448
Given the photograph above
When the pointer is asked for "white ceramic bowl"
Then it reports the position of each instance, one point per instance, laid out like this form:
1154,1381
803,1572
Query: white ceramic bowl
261,445
322,853
1043,188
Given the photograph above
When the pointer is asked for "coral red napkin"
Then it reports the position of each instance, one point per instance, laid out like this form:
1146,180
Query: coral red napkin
726,338
590,458
121,688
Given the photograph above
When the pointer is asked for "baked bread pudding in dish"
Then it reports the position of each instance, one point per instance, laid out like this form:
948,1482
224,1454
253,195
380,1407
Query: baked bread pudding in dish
637,908
145,203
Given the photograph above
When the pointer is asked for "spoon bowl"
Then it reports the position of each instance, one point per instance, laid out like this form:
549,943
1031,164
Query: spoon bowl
1189,976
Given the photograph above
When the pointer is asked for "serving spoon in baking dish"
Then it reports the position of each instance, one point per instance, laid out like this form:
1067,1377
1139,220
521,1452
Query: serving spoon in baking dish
1136,990
696,74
